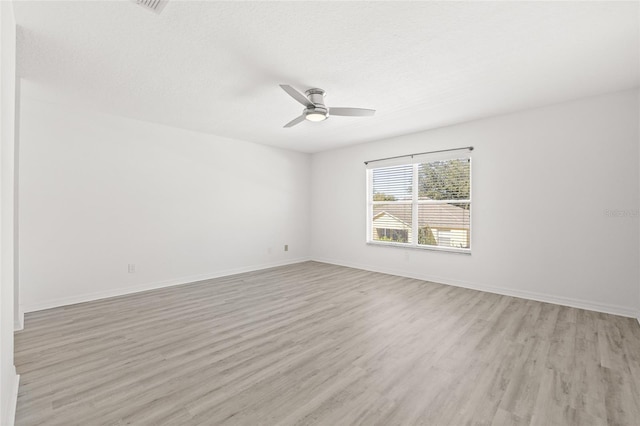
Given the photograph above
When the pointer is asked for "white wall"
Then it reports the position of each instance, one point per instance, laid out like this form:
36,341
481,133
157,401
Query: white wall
98,192
542,181
8,377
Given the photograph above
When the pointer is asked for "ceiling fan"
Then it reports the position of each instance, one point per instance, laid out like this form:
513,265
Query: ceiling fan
315,109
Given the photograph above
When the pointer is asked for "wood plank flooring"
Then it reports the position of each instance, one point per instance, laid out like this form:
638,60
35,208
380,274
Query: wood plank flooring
318,344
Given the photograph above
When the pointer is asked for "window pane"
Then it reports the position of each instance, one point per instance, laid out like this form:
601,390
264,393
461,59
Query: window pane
440,201
444,180
392,183
444,225
391,222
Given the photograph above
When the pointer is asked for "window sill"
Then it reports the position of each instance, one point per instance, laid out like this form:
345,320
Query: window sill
412,247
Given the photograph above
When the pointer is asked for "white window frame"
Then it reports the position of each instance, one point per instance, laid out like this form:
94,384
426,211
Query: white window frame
415,161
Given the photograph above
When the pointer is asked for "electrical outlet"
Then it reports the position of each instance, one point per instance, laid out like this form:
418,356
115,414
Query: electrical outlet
286,247
131,268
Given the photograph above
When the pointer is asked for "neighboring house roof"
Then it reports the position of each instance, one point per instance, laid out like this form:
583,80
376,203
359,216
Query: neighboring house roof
432,215
389,221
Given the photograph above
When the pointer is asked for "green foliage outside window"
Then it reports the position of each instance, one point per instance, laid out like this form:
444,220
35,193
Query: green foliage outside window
426,237
444,180
381,196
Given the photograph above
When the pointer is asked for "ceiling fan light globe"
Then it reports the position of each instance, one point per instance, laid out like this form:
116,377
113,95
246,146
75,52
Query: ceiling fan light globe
315,116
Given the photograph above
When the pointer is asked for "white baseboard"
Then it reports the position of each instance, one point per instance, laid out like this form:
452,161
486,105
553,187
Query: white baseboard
12,401
540,297
64,301
19,322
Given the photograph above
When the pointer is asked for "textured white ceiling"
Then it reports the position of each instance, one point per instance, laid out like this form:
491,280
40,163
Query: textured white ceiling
215,66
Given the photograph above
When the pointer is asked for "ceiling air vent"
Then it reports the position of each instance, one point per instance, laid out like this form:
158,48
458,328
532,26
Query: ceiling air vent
153,5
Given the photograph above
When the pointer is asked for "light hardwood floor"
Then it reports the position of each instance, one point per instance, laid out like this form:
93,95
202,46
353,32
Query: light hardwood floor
313,343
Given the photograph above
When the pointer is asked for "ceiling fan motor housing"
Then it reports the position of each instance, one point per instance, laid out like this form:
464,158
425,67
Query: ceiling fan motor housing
318,111
316,96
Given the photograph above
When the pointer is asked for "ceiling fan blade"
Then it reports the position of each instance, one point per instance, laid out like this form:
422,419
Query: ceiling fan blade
352,112
295,121
296,95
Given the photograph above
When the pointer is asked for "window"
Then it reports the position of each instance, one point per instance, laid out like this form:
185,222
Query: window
421,201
